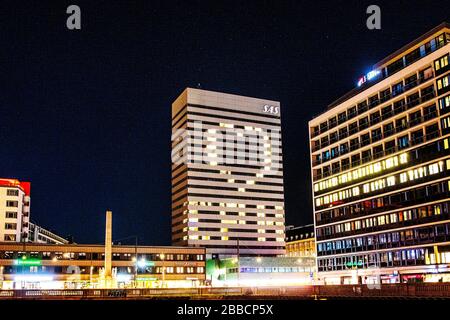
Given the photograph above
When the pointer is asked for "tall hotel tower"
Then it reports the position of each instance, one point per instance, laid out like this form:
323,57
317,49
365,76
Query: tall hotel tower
381,170
227,174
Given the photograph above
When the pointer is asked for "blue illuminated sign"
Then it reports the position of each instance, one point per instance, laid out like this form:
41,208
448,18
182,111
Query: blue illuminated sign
369,76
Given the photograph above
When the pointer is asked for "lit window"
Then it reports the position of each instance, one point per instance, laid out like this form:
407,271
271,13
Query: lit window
366,188
403,177
403,158
443,82
441,63
446,122
390,181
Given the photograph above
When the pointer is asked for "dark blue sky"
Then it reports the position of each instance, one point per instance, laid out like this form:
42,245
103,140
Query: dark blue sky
85,115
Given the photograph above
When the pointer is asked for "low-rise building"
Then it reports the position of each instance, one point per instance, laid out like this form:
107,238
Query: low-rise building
38,234
261,271
300,241
50,266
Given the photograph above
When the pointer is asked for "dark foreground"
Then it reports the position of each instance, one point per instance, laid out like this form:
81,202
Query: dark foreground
385,291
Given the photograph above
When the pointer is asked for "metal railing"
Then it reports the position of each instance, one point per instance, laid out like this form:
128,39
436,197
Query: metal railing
403,290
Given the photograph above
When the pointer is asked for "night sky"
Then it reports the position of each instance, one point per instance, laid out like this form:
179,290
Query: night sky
86,115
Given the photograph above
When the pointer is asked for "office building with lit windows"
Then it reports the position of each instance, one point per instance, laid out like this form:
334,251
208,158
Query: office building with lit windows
380,163
14,210
76,266
227,174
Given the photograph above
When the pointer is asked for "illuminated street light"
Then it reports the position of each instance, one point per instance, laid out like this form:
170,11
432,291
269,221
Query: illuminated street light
162,256
142,263
258,259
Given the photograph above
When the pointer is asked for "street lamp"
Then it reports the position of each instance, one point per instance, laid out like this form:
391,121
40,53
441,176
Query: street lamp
135,258
142,263
162,256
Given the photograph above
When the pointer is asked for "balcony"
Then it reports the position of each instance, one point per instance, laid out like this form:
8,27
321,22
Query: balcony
411,104
409,143
403,89
362,213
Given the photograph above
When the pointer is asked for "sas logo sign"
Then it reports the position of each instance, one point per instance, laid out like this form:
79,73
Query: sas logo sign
271,109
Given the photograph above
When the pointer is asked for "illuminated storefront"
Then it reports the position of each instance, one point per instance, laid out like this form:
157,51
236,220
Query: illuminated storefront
261,271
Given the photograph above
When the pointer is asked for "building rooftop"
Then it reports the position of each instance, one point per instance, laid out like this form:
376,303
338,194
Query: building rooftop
300,233
24,186
386,61
72,246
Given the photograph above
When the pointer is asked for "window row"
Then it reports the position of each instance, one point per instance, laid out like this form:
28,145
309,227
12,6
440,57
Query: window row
411,197
409,82
410,139
382,184
392,239
363,172
46,255
376,134
399,107
394,258
401,218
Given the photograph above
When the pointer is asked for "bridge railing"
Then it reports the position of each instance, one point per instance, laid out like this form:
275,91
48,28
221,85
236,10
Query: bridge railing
349,291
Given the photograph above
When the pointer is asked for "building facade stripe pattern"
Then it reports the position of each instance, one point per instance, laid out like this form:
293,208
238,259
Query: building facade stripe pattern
227,174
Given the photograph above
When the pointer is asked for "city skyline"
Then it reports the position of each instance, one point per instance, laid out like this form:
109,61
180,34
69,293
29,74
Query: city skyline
82,112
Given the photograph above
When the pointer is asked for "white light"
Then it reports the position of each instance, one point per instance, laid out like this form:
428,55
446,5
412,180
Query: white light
123,277
142,263
373,74
32,278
